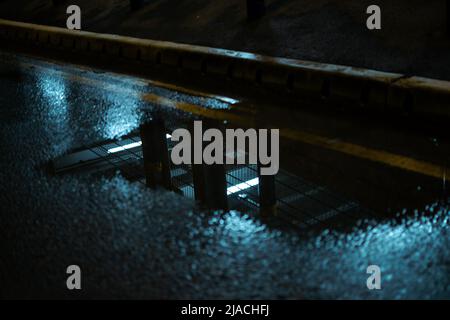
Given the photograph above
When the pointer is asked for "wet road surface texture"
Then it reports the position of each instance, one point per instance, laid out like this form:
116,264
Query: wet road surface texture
134,242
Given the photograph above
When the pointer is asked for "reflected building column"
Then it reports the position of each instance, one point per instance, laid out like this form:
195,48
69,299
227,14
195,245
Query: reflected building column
156,154
198,174
266,188
210,184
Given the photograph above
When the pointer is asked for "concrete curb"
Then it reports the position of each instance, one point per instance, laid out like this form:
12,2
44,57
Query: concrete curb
361,86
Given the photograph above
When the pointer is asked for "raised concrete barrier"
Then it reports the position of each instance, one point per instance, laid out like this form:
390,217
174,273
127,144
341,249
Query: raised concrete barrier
364,87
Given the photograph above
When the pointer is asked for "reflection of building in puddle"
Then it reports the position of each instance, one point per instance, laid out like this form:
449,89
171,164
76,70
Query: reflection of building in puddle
298,202
53,92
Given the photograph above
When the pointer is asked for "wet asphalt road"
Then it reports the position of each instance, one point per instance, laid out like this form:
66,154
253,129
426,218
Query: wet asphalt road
131,242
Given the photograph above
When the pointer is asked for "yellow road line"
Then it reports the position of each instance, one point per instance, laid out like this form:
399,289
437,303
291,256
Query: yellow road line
379,156
217,114
142,82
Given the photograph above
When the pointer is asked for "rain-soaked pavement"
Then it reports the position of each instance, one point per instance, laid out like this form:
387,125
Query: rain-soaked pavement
133,242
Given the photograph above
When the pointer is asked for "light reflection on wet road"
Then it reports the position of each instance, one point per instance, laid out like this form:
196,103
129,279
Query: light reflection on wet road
134,242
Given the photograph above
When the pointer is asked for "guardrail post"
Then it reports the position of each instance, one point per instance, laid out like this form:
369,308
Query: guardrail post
267,195
156,154
198,174
198,178
215,186
210,184
255,9
266,189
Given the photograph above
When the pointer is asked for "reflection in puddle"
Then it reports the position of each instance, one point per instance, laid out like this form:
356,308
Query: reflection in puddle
122,115
54,91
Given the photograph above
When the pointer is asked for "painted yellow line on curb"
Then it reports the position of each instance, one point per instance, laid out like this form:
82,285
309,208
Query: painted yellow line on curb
380,156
